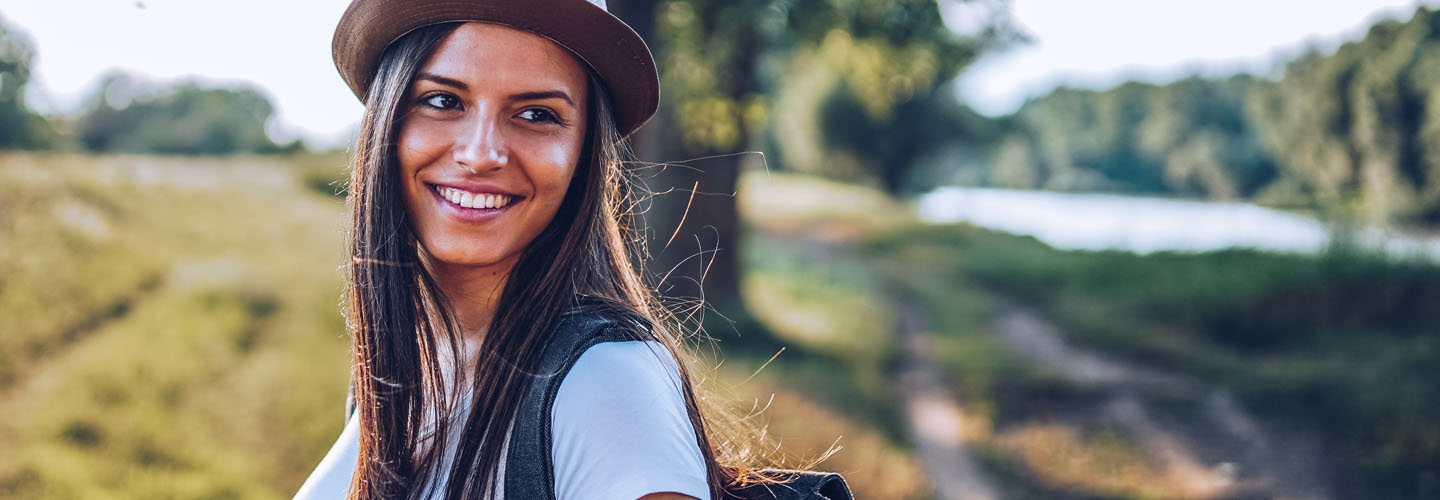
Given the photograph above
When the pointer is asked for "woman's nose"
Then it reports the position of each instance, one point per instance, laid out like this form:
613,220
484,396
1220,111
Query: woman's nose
482,146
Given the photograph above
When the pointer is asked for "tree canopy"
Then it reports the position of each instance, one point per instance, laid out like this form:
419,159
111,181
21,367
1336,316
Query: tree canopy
840,88
127,116
1354,134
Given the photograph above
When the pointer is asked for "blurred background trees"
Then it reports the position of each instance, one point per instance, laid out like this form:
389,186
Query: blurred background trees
128,116
1352,134
20,128
1189,138
1359,129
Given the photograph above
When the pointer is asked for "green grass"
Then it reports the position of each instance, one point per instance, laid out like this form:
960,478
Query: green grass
834,320
172,327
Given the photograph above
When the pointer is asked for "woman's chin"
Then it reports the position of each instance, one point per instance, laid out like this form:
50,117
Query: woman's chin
463,257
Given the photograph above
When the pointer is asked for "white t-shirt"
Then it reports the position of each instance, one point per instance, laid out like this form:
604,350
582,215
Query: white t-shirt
620,431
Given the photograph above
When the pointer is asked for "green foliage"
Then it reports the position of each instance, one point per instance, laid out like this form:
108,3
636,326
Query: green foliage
1352,134
125,116
1358,129
1190,138
20,128
818,73
896,144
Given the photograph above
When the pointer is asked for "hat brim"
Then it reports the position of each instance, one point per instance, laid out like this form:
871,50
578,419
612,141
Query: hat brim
601,40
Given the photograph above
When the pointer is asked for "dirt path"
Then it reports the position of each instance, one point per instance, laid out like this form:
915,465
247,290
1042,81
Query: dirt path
934,416
934,419
1210,448
1218,452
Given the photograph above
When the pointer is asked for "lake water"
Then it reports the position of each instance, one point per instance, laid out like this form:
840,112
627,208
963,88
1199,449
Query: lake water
1088,221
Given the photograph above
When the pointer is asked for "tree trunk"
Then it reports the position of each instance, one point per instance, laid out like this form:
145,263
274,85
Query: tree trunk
692,240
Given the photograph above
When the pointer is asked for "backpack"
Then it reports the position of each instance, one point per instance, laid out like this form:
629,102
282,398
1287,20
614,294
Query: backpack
529,473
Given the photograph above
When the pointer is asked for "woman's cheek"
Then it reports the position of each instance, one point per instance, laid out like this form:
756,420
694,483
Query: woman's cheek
561,153
561,158
418,144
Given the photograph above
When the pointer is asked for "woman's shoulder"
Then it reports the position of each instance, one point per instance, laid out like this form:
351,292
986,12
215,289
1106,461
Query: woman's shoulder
620,365
621,425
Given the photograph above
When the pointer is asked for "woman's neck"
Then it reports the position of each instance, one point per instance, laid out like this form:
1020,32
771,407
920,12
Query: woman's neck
473,293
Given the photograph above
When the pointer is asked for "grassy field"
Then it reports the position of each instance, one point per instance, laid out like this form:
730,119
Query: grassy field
171,326
172,330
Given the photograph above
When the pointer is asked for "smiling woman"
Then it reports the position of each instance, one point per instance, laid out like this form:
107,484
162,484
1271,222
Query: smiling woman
504,346
487,152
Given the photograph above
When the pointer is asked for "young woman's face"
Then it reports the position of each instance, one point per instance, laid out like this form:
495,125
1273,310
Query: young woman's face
494,130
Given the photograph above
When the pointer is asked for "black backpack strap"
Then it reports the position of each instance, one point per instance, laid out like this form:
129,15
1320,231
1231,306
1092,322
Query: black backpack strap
794,485
583,303
529,469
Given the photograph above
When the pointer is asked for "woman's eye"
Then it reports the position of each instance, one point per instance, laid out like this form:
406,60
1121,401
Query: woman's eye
539,116
442,101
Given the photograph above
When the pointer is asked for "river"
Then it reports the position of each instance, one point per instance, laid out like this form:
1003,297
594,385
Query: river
1090,221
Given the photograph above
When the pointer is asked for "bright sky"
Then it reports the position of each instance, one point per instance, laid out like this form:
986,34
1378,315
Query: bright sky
283,46
1101,43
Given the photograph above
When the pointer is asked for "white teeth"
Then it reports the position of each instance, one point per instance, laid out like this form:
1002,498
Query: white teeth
473,200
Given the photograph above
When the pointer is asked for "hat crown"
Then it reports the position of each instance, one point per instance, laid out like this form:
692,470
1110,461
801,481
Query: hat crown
586,28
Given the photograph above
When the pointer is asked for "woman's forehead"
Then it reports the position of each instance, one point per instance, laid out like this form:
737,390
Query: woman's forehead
488,55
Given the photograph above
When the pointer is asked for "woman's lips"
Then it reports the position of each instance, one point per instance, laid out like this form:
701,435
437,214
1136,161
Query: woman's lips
471,206
470,199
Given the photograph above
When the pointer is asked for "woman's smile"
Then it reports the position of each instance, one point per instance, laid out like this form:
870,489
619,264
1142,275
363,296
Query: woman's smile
477,205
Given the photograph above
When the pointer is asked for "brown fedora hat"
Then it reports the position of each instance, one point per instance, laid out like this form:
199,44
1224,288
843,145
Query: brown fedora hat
616,53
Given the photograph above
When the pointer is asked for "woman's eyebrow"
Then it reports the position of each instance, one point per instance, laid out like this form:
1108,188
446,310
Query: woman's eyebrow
442,80
548,94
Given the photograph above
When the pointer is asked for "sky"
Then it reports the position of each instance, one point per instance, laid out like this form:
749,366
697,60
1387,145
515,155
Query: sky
283,47
280,46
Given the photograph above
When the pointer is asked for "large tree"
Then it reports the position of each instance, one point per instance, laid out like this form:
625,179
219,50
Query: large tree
726,66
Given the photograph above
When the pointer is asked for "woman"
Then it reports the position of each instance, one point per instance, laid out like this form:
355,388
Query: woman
484,203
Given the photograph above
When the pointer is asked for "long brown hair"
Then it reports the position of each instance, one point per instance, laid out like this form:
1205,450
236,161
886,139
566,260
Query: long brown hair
397,315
